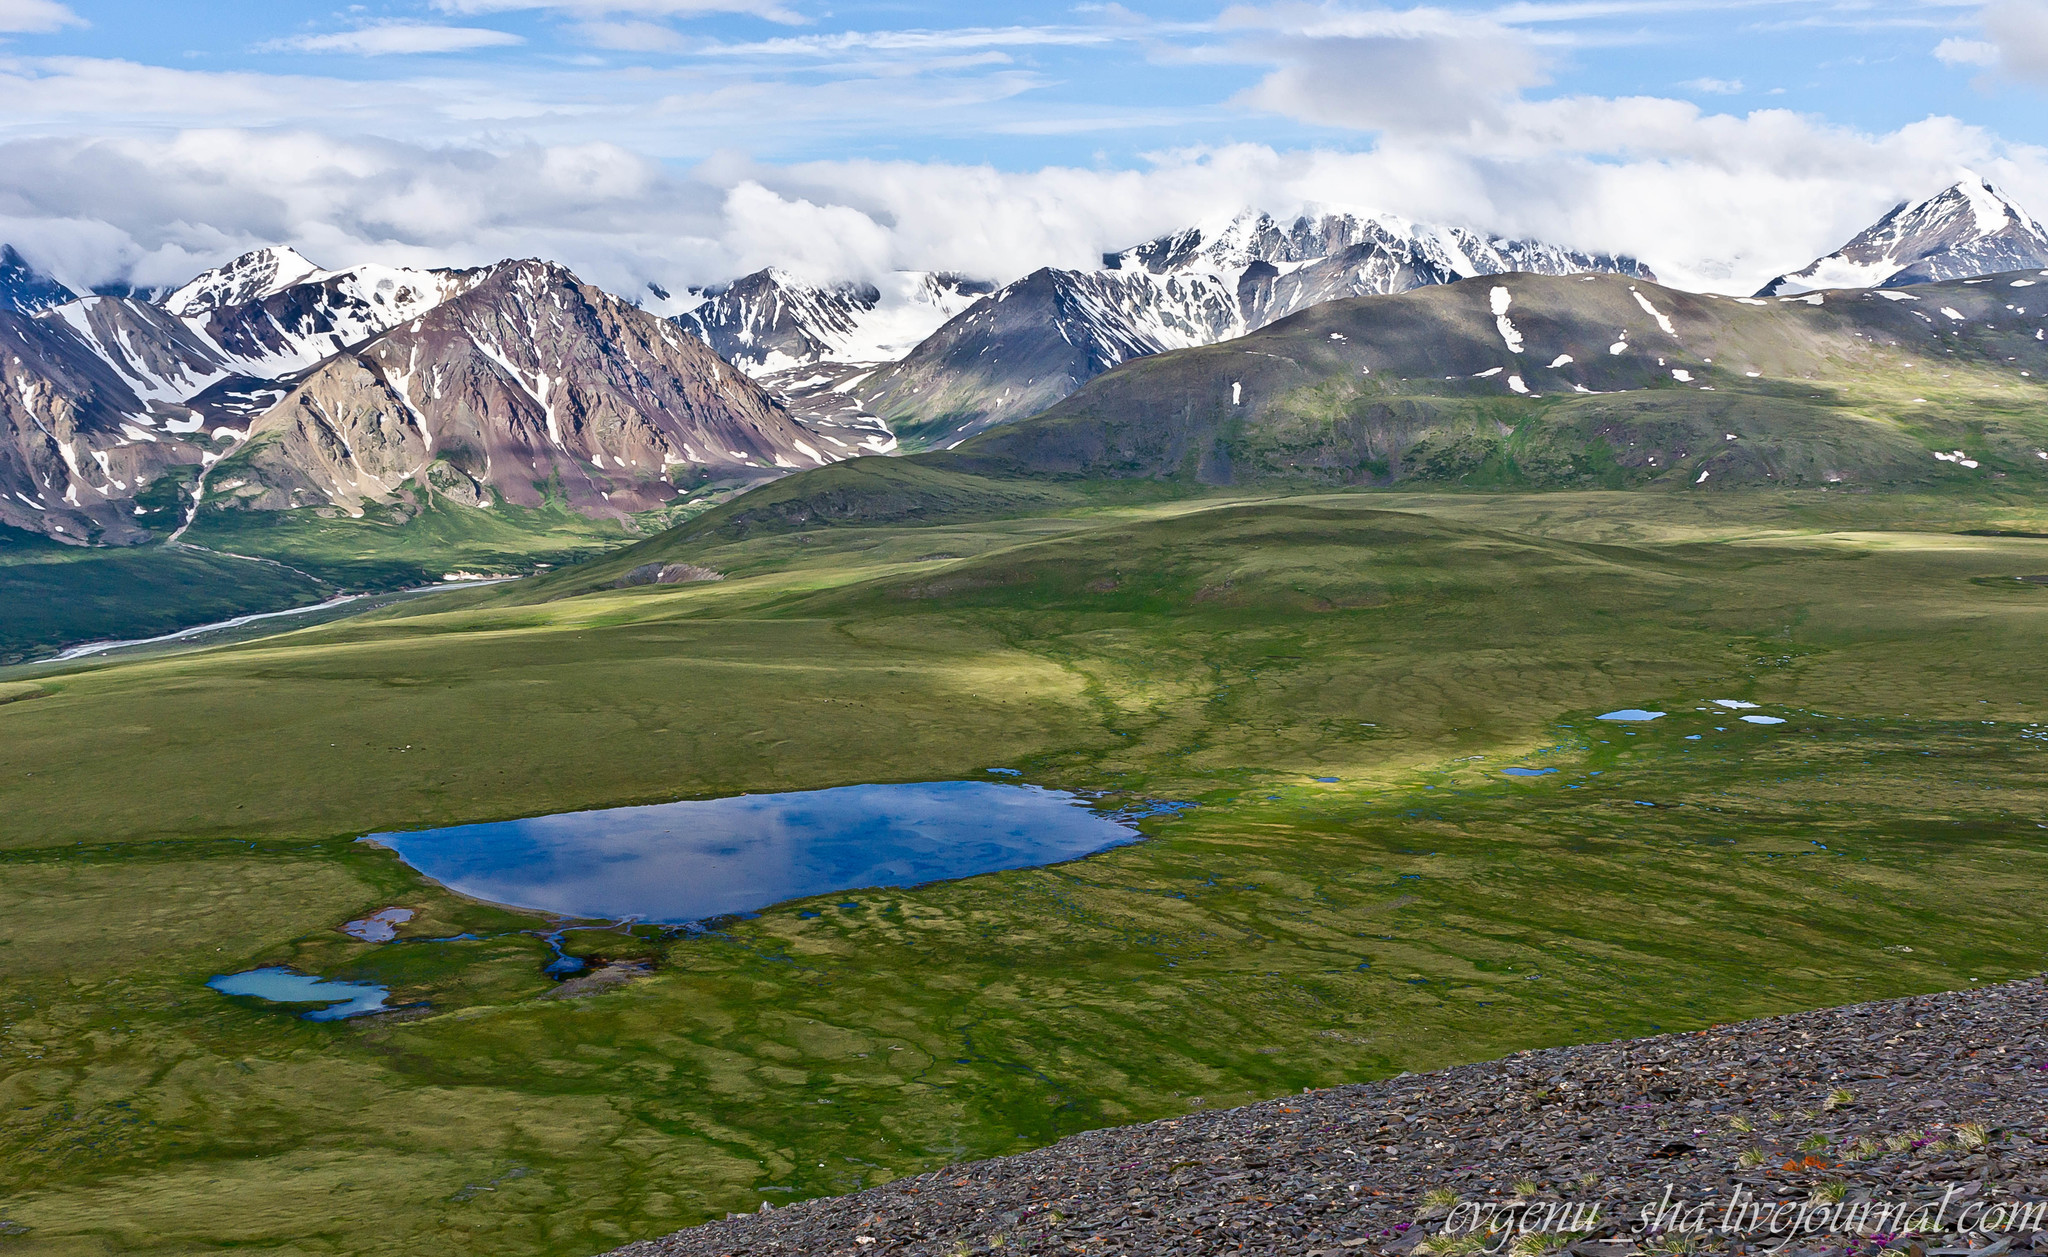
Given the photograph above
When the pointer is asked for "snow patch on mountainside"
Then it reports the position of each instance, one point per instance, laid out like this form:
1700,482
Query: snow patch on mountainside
1500,299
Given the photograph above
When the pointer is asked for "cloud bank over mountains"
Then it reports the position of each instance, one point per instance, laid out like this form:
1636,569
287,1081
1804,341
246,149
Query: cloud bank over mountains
719,156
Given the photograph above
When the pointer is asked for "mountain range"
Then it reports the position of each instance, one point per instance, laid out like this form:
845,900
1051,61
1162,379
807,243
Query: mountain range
1023,346
270,384
1522,380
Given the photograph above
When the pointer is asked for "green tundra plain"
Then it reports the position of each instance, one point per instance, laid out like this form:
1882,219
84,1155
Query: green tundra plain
1336,679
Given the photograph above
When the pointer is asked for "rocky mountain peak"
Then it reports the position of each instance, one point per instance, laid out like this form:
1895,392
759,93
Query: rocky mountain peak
251,277
269,384
1967,229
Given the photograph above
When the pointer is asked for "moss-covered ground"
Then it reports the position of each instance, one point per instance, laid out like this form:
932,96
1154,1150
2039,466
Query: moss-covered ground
172,818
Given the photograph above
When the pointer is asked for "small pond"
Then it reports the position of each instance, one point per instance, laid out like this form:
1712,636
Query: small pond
280,985
679,862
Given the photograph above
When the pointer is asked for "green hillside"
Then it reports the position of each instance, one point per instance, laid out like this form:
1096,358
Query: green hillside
1857,388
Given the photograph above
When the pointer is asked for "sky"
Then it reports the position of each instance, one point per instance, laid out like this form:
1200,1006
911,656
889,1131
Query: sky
683,142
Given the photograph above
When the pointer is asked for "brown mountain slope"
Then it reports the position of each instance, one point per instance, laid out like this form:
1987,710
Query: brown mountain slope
529,379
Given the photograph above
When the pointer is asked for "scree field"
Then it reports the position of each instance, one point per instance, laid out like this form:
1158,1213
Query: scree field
1338,682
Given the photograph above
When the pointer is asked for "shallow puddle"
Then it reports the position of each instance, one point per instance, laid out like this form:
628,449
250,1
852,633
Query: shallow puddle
280,985
680,862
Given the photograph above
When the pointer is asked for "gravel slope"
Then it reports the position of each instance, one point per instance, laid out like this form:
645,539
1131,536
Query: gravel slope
1936,1106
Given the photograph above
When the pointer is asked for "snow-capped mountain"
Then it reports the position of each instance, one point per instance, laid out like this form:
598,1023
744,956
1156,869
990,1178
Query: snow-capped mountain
1964,231
1214,282
999,361
773,321
24,289
343,387
1029,345
250,277
273,329
263,317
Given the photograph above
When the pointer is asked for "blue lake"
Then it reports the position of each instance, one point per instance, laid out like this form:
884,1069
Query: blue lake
1528,772
287,986
679,862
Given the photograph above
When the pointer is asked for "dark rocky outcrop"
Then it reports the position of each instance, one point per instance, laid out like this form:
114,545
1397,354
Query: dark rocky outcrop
667,574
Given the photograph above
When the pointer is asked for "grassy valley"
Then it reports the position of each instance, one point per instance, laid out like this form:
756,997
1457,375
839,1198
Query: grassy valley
57,595
1337,680
237,562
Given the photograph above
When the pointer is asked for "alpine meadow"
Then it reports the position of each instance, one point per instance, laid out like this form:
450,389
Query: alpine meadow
823,723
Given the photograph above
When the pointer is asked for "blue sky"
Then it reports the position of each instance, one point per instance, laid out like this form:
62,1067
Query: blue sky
676,138
1018,85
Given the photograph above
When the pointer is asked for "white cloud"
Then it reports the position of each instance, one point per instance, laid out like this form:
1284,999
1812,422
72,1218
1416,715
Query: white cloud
36,16
1966,52
772,10
2015,43
88,88
2019,28
1715,87
387,38
632,36
917,41
1413,70
1453,125
1709,200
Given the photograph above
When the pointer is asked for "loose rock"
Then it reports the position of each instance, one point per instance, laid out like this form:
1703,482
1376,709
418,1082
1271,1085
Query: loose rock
1934,1105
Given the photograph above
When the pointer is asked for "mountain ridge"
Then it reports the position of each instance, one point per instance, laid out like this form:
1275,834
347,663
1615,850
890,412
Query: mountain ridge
1199,286
774,321
464,399
1968,229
